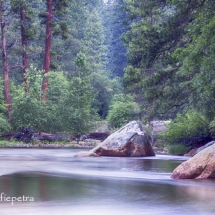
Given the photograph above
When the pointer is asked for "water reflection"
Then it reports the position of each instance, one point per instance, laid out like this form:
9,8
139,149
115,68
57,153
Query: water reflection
135,196
100,185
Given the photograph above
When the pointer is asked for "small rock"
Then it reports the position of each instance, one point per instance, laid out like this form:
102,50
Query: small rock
86,154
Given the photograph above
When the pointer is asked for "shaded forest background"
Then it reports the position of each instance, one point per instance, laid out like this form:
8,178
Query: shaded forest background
68,63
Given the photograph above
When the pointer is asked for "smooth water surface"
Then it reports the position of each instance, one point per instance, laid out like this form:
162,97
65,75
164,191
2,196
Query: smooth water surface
62,184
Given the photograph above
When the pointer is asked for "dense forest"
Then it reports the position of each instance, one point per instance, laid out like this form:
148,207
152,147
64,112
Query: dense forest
68,63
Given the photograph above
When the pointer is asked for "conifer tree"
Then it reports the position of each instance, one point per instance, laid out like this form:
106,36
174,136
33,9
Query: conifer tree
157,29
7,96
196,57
94,41
25,10
95,52
113,20
54,10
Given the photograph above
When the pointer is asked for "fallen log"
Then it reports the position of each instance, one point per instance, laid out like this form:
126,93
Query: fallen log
98,135
27,134
50,137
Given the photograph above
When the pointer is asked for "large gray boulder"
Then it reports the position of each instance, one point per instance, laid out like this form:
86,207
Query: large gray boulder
202,165
129,141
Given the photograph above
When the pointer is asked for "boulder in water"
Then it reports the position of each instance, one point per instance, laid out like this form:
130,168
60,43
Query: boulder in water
129,141
202,165
197,150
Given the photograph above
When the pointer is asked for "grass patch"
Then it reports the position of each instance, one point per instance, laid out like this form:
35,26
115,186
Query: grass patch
177,149
5,143
45,144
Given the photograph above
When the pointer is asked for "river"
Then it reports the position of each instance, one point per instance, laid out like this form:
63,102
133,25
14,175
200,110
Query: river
52,181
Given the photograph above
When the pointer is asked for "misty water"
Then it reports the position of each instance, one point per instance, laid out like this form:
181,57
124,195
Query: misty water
62,184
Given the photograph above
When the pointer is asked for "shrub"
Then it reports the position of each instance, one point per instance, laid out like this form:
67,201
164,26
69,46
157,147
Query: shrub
28,109
122,111
4,124
68,106
177,149
187,130
212,128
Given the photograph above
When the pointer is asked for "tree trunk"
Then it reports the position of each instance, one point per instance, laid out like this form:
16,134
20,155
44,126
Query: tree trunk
24,49
47,57
5,64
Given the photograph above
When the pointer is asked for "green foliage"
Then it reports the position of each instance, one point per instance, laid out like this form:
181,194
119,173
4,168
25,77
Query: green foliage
95,52
76,107
122,111
170,56
212,128
71,104
170,63
113,18
29,23
4,124
28,107
59,22
188,129
150,40
68,107
106,89
5,143
57,92
94,48
177,149
198,57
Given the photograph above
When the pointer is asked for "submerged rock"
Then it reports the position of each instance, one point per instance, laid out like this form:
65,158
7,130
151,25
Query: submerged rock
86,154
202,165
129,141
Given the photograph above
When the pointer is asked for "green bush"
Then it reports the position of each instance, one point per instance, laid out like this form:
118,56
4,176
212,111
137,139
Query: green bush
4,124
68,106
177,149
122,111
5,143
187,130
212,128
28,108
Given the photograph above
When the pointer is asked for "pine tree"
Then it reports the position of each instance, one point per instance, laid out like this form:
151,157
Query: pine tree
157,29
7,96
113,20
95,52
94,41
25,11
196,57
55,10
64,52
